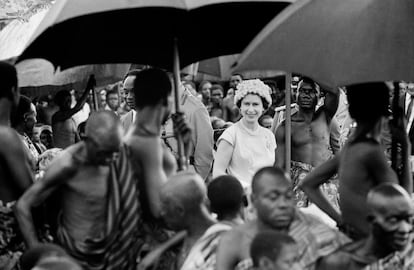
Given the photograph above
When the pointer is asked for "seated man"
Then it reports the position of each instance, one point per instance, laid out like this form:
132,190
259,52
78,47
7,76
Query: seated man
183,203
229,206
272,250
390,241
273,198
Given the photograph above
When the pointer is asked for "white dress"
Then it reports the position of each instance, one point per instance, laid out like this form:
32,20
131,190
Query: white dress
252,150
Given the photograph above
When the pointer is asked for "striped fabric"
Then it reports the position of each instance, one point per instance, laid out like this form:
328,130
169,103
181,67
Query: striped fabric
202,255
395,261
315,239
119,247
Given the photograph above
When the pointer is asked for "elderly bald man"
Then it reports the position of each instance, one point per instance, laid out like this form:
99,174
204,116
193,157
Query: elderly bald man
183,201
94,204
390,241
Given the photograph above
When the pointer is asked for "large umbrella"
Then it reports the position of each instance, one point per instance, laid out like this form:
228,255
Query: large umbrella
77,32
338,42
220,67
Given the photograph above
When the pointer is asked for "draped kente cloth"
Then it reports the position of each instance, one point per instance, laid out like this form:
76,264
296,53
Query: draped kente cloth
124,234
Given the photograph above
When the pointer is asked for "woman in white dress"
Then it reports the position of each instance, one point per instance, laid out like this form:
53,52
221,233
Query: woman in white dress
245,147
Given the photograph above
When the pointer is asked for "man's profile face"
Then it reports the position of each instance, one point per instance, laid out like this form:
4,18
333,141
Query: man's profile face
393,224
307,96
128,91
274,201
234,81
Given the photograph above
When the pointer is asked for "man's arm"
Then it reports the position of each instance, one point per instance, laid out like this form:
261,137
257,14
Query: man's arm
334,136
331,103
280,149
60,170
62,116
223,157
203,140
16,160
377,165
228,251
149,152
311,183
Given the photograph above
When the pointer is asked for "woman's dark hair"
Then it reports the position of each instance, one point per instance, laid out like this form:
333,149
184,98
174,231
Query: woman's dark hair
368,102
264,101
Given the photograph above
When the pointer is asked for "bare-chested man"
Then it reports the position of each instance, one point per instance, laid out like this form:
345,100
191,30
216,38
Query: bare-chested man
82,176
310,137
65,132
390,242
273,198
362,163
15,171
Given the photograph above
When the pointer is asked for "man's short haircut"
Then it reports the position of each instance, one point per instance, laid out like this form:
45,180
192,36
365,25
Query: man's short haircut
23,107
226,195
368,101
237,74
111,92
61,96
151,86
276,172
269,244
132,72
384,192
217,86
8,79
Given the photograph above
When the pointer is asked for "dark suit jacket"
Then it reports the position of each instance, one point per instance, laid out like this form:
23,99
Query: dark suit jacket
411,131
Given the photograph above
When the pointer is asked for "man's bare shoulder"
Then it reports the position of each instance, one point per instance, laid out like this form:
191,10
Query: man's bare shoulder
8,134
344,258
240,233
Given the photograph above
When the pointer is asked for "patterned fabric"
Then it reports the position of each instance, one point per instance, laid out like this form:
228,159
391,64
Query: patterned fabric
314,238
395,261
202,255
298,171
11,241
124,235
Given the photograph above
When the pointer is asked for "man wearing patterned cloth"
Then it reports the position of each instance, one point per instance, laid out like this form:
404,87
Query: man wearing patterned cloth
15,171
273,199
310,138
389,245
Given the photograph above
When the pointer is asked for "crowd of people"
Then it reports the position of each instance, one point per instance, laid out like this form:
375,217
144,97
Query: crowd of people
93,180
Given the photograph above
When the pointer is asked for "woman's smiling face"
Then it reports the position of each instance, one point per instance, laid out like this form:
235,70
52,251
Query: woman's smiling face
251,107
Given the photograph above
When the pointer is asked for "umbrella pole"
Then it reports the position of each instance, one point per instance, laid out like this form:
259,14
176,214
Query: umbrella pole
396,116
182,159
288,122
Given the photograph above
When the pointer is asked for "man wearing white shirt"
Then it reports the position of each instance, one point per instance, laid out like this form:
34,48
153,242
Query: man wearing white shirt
127,86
